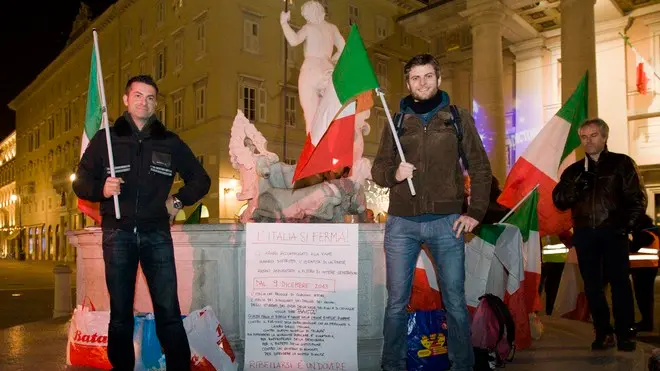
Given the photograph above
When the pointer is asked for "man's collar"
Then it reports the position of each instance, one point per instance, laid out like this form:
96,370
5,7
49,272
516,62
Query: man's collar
124,126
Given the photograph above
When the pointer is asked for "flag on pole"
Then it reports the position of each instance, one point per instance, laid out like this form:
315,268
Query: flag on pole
329,145
94,118
645,73
545,159
526,219
494,264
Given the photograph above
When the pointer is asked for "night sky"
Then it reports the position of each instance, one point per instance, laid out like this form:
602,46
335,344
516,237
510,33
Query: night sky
32,34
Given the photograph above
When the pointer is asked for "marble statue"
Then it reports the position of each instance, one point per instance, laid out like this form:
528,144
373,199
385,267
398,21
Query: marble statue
320,38
266,184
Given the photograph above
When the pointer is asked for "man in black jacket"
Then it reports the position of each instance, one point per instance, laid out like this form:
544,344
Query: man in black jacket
607,201
146,156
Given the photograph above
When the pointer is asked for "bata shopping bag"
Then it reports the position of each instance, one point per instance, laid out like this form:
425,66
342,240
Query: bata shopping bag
427,341
88,337
209,348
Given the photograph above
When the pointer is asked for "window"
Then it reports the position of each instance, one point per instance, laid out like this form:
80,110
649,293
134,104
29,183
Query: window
249,105
290,110
51,128
143,28
201,37
160,12
109,91
353,15
67,119
178,112
128,38
200,100
161,113
200,158
142,65
406,39
263,101
37,139
178,51
251,36
126,73
74,111
290,161
381,72
381,27
160,59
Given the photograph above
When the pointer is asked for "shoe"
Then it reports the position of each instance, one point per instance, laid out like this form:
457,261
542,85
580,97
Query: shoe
603,342
626,345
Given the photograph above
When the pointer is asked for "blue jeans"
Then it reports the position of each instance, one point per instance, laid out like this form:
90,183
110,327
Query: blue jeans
153,250
403,239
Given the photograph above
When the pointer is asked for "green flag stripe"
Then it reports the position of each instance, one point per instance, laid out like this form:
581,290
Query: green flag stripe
574,111
526,217
490,232
93,113
353,74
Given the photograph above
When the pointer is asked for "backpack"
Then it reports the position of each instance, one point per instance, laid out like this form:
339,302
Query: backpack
493,333
455,121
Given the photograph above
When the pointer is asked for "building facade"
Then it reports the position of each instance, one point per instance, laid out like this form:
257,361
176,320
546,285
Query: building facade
513,63
9,226
209,58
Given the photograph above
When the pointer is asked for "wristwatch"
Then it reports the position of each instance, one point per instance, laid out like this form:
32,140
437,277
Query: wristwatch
177,203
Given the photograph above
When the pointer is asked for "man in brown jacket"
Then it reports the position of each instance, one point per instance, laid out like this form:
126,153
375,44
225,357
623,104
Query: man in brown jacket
430,142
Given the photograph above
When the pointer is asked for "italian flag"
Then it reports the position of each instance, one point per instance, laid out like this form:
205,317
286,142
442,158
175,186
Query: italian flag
425,293
526,219
545,159
494,264
95,116
329,145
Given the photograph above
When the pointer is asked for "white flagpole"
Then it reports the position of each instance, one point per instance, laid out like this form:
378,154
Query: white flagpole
104,119
518,204
396,137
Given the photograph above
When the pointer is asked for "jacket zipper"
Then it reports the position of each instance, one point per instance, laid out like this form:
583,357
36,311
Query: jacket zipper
137,196
593,199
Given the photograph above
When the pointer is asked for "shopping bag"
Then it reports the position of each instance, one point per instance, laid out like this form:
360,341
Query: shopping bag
209,347
427,341
87,343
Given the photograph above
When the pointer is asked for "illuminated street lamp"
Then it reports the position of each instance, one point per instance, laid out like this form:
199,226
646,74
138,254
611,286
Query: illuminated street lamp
19,251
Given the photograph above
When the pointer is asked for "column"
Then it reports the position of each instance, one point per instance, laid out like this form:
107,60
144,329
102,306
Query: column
578,49
487,81
529,91
612,89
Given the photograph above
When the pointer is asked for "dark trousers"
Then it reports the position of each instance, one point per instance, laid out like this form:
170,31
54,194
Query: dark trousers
153,250
550,279
603,257
644,285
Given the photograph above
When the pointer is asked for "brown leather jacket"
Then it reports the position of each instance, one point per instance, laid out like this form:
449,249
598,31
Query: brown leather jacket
609,195
438,180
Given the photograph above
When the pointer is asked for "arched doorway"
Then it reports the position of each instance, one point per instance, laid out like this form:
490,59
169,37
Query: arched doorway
44,245
57,240
31,243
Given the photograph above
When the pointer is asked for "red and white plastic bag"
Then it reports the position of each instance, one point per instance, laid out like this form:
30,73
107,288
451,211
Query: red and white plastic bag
209,348
88,338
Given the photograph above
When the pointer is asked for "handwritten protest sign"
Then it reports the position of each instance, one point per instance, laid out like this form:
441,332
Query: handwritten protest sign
301,297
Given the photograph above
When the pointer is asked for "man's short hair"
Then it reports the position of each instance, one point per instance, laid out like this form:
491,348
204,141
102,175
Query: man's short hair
602,125
145,79
421,60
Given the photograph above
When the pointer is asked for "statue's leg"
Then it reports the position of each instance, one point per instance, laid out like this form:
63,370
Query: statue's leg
309,101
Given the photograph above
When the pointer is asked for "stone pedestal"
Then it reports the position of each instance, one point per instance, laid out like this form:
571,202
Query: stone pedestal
210,261
62,304
578,49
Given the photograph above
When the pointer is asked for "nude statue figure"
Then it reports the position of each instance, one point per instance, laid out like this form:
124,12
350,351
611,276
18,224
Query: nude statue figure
321,38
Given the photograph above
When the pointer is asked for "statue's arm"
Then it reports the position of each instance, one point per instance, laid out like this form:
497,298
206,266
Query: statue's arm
292,37
339,43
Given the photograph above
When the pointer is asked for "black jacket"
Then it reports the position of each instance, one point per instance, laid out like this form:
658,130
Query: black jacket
609,195
147,161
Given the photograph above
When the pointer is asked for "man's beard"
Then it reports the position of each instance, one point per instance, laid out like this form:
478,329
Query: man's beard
428,95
